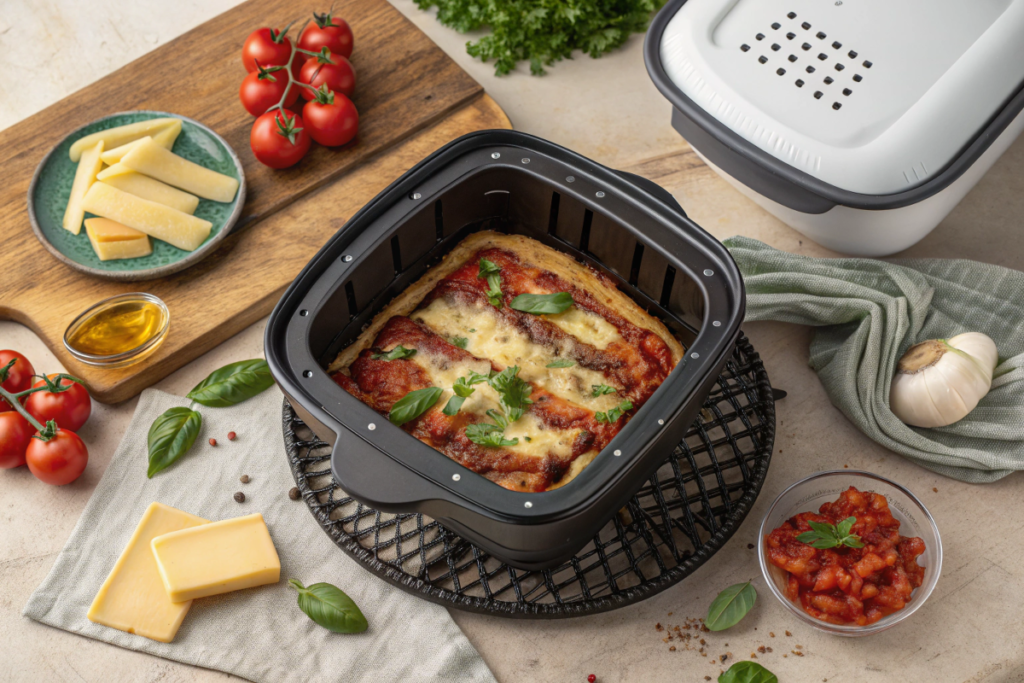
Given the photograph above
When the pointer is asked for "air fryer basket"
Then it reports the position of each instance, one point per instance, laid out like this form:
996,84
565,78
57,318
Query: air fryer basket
514,183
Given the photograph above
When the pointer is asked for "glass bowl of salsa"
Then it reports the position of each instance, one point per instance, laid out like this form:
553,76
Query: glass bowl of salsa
850,578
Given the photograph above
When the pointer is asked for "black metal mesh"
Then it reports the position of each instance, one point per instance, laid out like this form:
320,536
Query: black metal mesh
691,506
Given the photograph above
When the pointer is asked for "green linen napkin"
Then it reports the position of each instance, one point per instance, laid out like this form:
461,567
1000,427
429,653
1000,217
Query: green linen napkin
868,312
259,633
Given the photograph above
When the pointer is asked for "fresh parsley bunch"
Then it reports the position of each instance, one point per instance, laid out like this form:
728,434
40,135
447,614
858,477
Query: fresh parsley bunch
543,31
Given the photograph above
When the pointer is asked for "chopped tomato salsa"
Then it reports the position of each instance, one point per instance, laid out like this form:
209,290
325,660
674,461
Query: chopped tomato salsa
849,585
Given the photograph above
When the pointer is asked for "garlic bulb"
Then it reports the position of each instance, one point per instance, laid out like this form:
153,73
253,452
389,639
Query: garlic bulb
939,381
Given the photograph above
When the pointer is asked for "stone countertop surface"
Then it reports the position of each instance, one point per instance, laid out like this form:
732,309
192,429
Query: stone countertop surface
971,627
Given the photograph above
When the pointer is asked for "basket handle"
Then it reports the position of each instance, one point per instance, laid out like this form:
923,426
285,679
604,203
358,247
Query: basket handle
652,188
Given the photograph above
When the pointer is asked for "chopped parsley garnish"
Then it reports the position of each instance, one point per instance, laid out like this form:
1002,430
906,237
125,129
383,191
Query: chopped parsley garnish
513,391
472,330
463,389
394,354
561,363
489,271
542,303
601,390
615,413
484,434
461,342
528,439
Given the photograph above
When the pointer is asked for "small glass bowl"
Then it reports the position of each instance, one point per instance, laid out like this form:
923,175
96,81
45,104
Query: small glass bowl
808,494
128,356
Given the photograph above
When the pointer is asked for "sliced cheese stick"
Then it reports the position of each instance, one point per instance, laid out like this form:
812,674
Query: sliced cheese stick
85,175
153,190
111,171
153,160
164,138
111,240
115,137
156,220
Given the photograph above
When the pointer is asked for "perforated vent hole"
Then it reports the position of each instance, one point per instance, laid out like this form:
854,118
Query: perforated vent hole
829,80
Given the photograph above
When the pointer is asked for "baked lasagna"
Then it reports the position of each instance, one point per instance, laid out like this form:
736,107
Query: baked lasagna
512,359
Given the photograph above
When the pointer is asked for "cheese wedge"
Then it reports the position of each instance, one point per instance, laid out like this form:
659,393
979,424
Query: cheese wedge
153,160
111,171
111,240
115,137
153,190
85,175
165,138
227,556
156,220
133,598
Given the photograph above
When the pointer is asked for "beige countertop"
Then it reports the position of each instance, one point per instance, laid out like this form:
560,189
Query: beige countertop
971,628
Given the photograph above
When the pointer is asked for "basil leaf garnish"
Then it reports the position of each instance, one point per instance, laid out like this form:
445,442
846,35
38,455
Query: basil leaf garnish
396,353
601,390
453,405
489,271
484,434
170,437
747,672
824,536
542,303
232,384
730,606
414,404
328,606
561,363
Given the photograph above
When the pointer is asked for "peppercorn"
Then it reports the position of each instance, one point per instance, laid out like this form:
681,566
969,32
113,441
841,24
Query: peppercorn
231,436
244,479
213,442
294,493
239,497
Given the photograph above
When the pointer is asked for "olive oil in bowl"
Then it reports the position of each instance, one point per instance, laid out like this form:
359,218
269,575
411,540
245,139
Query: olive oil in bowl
118,331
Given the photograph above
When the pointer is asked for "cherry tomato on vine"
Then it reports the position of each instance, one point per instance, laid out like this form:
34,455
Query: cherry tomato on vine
279,139
266,46
58,461
331,118
333,70
263,88
69,408
330,32
15,433
19,375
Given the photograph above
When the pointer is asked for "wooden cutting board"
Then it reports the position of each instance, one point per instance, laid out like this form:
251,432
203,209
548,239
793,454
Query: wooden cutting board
412,99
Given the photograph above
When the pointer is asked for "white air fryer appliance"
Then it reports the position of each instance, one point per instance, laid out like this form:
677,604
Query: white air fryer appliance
860,123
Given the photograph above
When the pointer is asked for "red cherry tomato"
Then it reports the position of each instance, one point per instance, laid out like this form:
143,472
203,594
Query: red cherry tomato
19,377
267,46
331,123
279,139
15,433
58,461
264,87
330,32
338,75
70,408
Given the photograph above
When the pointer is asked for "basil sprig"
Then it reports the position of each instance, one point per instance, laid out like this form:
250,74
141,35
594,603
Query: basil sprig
513,391
824,536
396,353
747,672
542,303
615,413
561,363
484,434
489,271
232,384
414,404
328,606
170,437
730,606
601,390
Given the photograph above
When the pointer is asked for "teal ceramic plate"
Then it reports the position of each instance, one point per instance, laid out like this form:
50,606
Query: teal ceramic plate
51,186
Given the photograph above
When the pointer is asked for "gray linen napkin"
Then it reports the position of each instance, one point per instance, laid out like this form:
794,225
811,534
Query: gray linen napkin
260,633
868,312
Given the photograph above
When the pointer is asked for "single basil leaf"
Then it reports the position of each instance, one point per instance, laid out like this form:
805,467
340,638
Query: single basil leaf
561,363
844,527
853,541
487,268
453,405
414,404
396,353
542,303
170,437
461,342
822,528
730,606
328,606
601,390
747,672
232,384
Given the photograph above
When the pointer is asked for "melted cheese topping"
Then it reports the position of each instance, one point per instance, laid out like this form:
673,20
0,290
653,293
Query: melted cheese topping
586,326
489,337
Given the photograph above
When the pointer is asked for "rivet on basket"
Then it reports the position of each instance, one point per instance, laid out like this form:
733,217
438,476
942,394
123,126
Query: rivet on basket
371,426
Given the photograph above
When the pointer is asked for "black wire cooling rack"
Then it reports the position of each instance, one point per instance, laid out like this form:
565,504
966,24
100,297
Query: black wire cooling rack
675,522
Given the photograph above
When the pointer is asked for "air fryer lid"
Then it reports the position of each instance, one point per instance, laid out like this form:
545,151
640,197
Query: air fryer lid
868,97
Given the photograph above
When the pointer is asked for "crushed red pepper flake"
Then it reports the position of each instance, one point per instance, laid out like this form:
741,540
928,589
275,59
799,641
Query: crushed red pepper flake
659,627
771,633
935,489
761,649
672,649
797,653
789,634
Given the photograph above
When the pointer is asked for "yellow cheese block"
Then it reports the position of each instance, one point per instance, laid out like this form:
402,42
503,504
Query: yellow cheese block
85,175
156,220
111,171
217,558
111,240
165,138
133,598
153,190
153,160
115,137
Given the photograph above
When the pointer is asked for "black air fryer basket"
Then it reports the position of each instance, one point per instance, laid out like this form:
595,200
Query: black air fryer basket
510,182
